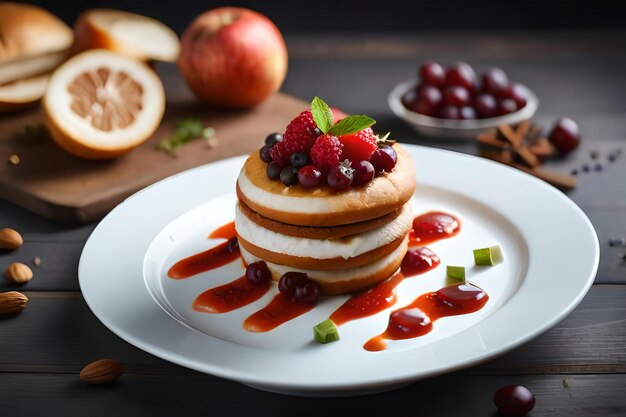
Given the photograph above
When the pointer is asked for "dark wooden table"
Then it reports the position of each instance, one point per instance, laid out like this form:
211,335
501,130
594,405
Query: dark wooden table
578,368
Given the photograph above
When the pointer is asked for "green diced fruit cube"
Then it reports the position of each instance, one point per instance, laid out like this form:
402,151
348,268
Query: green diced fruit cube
455,272
326,332
488,256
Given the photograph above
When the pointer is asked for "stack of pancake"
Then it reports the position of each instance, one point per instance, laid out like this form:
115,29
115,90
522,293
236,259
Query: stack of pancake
344,241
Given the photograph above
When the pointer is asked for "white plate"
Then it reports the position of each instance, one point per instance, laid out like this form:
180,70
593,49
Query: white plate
551,257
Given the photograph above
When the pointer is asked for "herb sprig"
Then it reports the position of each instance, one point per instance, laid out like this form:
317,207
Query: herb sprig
187,130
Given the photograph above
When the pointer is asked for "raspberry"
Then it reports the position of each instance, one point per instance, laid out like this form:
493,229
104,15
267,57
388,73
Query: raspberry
299,136
358,146
326,153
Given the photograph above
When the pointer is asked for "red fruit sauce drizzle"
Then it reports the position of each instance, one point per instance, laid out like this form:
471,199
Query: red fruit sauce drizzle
383,294
407,322
417,318
280,310
433,226
215,257
231,296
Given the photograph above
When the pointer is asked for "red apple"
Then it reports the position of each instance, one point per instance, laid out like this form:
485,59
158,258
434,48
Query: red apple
233,57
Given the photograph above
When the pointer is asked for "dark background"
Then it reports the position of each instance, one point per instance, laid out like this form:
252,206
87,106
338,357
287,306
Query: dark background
378,16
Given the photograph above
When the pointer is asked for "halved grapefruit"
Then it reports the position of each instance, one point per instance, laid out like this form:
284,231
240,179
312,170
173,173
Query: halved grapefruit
100,104
130,34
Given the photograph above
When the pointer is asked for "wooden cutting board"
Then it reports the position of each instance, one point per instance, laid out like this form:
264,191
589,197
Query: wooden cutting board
62,187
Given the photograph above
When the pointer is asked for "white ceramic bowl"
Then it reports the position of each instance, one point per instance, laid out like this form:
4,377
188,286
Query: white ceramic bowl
454,129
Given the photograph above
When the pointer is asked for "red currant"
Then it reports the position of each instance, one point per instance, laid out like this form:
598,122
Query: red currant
340,177
309,176
433,74
258,273
364,172
514,400
384,159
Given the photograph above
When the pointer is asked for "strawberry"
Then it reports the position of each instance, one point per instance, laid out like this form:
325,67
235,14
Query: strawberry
358,146
326,153
300,135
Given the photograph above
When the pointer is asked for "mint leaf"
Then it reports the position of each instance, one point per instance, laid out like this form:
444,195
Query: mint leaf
322,114
351,124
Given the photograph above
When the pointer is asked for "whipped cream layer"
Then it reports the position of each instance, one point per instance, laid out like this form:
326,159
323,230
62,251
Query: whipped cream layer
324,249
349,274
289,204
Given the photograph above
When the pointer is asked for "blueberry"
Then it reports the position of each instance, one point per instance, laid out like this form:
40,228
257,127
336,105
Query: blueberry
273,138
264,153
289,176
299,159
272,170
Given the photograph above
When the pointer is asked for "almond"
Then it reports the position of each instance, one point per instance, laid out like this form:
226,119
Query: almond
10,239
103,371
12,302
18,273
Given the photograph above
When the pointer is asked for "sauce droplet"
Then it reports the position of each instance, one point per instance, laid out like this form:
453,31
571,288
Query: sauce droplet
433,226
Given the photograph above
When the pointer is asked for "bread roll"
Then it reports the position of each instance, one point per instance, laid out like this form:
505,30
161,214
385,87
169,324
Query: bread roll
32,41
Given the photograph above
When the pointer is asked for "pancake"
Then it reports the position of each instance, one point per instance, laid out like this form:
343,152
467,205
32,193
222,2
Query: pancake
346,280
323,254
322,206
333,232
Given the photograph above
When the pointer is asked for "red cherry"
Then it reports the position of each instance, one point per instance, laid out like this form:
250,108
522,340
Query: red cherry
428,100
309,176
340,177
517,92
485,105
450,112
463,75
258,273
364,172
495,81
384,159
433,74
565,135
456,96
507,106
514,400
299,287
467,113
409,98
